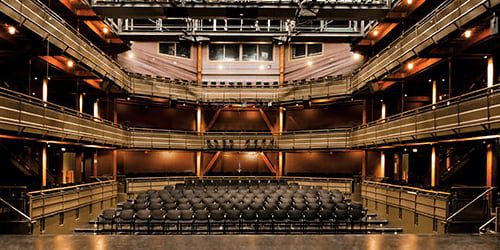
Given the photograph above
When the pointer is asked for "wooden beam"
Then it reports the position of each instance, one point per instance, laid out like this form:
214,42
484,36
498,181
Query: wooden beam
266,120
211,163
214,118
282,64
268,163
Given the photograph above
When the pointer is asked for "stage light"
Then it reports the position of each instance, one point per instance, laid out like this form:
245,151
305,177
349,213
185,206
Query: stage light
70,63
375,32
357,56
410,66
105,30
468,33
12,30
309,63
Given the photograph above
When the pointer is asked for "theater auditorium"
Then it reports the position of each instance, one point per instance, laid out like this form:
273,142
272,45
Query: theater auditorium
252,124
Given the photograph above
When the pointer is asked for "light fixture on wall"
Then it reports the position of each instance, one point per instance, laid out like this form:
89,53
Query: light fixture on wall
11,29
130,55
262,67
356,56
410,66
309,63
220,67
105,30
468,33
70,63
375,32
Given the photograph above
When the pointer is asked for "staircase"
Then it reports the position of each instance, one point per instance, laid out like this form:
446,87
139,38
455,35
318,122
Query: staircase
22,161
470,209
458,163
13,209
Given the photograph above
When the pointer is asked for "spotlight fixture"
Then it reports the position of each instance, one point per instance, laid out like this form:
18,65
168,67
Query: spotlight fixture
105,30
357,56
12,30
468,33
414,150
409,2
70,63
220,67
130,55
261,67
410,66
309,63
375,32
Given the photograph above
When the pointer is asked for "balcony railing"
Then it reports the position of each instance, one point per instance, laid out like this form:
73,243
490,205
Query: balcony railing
473,112
49,202
136,185
24,114
227,92
438,24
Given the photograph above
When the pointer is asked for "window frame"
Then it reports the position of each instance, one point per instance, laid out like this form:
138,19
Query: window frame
306,55
240,51
176,44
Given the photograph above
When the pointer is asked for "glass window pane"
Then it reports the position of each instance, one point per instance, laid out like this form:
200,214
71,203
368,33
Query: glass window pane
249,52
232,52
266,52
167,48
184,49
298,50
314,49
216,52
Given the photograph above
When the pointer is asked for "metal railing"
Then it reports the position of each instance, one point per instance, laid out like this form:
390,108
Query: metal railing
48,202
430,203
136,185
470,203
26,221
439,23
471,112
26,114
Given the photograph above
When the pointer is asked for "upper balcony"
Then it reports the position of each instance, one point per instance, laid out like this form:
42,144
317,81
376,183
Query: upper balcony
323,9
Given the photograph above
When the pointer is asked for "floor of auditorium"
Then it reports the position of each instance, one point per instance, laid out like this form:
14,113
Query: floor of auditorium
401,241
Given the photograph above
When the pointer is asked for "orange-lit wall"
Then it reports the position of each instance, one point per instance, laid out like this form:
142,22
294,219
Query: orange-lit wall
333,116
323,163
156,162
154,116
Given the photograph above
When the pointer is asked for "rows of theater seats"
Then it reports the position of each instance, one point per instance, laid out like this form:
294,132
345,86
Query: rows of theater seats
249,144
241,207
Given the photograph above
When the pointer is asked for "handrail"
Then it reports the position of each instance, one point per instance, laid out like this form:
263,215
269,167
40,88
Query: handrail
447,102
407,188
480,229
70,188
250,177
469,204
17,211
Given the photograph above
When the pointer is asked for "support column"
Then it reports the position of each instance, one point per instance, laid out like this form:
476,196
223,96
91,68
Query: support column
281,124
434,92
199,64
490,72
96,109
282,63
198,164
115,114
363,118
364,163
381,172
45,90
383,111
490,165
434,168
44,165
80,103
94,164
78,166
114,160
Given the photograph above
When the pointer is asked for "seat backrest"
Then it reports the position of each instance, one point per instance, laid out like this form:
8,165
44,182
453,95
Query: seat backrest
143,214
186,215
127,214
201,214
310,214
158,214
280,214
248,214
173,214
325,214
295,214
233,214
264,214
341,214
217,215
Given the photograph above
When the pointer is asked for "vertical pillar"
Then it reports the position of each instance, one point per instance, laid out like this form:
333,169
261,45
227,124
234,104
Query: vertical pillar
198,119
199,64
80,103
448,159
381,172
44,165
45,90
115,114
489,165
281,124
78,166
490,72
434,168
434,92
114,161
198,164
94,164
96,108
364,163
382,112
282,63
